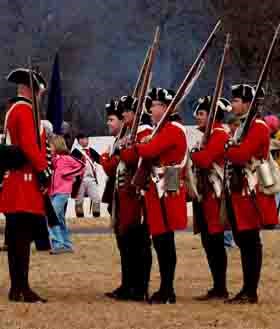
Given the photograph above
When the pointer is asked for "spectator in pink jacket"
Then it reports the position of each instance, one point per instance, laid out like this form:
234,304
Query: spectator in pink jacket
65,168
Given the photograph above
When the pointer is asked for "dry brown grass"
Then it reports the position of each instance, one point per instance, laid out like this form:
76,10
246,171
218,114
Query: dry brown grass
74,285
80,223
88,223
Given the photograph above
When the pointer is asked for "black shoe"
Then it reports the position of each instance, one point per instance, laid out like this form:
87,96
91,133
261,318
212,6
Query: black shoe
15,296
30,296
243,298
114,293
160,297
213,294
120,293
96,214
137,297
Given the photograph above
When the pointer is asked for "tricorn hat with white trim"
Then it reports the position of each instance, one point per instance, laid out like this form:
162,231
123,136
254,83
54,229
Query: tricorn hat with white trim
162,95
112,108
204,104
22,76
246,92
128,103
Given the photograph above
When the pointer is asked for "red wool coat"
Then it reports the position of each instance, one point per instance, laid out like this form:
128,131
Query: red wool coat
168,147
21,191
255,144
129,202
213,152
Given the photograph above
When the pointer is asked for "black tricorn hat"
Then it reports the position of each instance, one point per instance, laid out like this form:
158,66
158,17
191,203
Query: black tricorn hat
22,76
112,108
128,103
204,103
246,92
162,95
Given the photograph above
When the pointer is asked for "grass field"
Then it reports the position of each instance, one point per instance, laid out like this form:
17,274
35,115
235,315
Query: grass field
75,284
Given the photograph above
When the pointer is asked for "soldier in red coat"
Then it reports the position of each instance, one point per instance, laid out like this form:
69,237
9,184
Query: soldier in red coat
131,232
109,160
209,161
165,198
249,210
134,227
21,197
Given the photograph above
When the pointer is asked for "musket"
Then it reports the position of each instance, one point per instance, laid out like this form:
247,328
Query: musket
253,109
35,109
217,93
191,76
108,194
202,174
252,113
144,86
51,214
135,93
139,81
188,79
150,81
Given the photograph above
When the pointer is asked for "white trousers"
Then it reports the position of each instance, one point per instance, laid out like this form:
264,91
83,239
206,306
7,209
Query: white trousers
90,189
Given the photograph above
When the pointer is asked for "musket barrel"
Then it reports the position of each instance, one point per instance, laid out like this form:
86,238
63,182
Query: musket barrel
188,79
252,112
217,92
144,86
35,109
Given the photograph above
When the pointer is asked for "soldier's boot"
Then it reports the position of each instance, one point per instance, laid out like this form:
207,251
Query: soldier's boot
15,290
166,252
29,296
251,265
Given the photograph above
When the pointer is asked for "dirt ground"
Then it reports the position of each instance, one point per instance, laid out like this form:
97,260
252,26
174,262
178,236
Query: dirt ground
75,284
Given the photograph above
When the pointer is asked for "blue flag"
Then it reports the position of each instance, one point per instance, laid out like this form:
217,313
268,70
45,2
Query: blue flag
55,102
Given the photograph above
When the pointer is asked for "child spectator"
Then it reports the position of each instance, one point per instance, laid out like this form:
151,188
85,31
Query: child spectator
65,168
